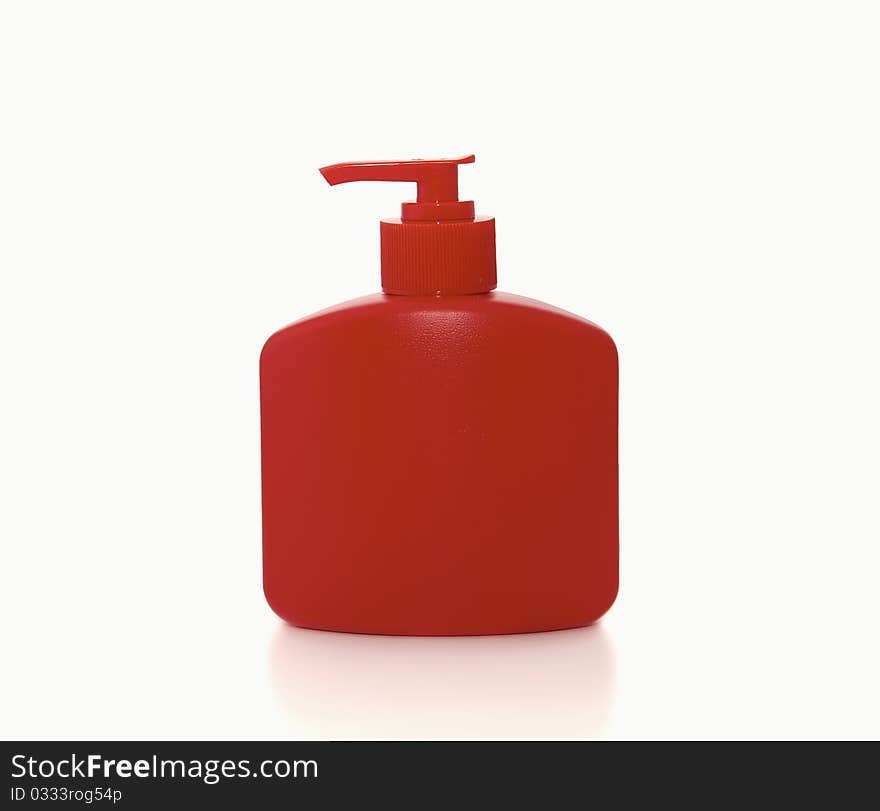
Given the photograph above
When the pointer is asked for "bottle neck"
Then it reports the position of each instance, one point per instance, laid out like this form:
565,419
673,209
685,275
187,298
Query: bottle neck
454,257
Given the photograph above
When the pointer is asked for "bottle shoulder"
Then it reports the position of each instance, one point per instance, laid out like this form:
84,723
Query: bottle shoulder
528,312
537,308
436,314
320,320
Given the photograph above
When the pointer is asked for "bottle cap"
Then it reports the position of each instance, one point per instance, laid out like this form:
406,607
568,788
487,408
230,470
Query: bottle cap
437,246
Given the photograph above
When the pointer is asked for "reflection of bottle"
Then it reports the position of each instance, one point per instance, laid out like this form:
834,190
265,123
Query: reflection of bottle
524,686
439,458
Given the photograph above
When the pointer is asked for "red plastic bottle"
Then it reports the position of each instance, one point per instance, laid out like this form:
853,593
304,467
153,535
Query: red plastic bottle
439,458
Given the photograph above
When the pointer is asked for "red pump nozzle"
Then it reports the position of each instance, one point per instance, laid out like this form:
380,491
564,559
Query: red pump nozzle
437,246
436,181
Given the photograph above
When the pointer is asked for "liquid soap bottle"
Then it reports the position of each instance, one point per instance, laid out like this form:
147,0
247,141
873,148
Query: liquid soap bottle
438,458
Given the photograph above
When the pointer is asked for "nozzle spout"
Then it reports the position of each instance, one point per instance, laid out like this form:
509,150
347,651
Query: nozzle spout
436,181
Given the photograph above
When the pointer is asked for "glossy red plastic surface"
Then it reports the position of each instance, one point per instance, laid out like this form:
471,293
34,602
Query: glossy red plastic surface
440,465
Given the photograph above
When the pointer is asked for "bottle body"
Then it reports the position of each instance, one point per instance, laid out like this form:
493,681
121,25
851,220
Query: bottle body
439,465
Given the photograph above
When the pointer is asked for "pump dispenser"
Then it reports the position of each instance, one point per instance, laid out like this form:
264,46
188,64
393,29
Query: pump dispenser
437,246
438,459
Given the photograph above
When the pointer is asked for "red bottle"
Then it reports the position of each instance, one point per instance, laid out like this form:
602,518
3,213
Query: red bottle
439,458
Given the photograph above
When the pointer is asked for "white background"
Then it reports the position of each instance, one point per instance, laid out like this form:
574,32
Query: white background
700,178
